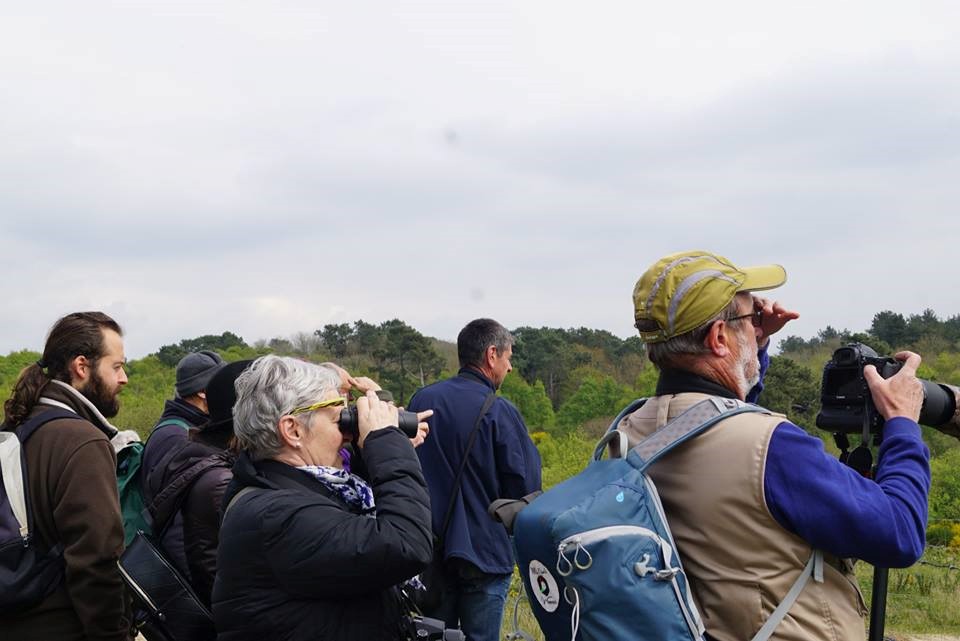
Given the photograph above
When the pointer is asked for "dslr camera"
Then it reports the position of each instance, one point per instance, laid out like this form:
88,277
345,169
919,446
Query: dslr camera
845,402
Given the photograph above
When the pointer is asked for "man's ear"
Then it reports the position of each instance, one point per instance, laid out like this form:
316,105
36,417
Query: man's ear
490,356
291,431
80,370
717,340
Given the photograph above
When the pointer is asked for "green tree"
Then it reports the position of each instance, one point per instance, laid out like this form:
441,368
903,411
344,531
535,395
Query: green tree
336,338
792,344
878,345
598,396
171,354
545,354
531,400
405,358
889,327
793,390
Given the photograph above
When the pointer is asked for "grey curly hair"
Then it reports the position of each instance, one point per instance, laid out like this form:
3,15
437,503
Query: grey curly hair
271,387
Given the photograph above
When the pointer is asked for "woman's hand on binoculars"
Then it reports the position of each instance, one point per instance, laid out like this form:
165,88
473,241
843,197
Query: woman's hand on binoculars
374,414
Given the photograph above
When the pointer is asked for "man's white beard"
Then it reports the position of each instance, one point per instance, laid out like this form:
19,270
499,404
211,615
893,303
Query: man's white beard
746,362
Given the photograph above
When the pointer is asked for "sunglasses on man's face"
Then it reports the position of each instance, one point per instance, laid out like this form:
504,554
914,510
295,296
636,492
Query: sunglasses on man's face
756,318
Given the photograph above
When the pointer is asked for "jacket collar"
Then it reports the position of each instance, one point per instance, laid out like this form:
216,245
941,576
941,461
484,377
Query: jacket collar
676,381
179,408
60,394
473,374
271,474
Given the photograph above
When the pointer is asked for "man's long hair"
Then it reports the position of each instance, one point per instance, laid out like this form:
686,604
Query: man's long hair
77,334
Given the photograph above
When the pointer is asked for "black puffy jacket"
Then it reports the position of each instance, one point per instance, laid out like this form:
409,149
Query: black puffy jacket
294,562
191,540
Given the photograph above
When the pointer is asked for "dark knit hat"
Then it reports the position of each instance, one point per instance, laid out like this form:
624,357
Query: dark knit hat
195,370
221,396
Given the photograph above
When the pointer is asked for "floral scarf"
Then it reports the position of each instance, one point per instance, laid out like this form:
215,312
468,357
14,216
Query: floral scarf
349,488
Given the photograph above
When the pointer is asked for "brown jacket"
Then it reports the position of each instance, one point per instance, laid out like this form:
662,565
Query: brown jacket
739,560
71,468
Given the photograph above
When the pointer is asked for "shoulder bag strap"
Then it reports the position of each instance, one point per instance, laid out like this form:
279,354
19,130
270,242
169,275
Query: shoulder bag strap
168,501
236,497
487,402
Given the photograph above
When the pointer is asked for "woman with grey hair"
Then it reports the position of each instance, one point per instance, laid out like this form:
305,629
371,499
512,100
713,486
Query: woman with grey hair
308,550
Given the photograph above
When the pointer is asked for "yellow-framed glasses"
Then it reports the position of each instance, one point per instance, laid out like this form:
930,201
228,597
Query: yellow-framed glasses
340,401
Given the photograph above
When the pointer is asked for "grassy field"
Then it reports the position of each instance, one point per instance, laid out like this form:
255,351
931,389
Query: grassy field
922,599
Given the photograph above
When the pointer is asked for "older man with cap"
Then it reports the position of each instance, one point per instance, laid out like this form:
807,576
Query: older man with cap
750,500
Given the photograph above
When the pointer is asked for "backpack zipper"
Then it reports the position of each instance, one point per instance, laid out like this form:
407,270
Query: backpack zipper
582,560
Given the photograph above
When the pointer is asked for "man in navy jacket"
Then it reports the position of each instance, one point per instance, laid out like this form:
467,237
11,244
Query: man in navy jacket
502,463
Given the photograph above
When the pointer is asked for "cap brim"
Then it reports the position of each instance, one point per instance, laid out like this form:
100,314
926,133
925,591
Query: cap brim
762,277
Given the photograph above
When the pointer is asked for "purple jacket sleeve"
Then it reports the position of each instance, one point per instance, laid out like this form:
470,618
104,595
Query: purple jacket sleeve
828,504
764,359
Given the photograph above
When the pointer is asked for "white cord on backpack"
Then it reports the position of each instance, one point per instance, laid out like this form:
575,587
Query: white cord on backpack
574,615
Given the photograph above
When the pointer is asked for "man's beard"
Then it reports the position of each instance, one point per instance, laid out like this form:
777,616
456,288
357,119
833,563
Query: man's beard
746,361
104,399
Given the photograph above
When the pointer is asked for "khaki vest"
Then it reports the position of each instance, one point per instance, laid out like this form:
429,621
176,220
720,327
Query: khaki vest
739,560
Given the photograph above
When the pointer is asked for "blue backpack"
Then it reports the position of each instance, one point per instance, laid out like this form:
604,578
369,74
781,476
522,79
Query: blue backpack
28,574
596,555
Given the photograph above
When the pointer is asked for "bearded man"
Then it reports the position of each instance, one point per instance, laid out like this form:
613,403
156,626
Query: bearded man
72,483
750,500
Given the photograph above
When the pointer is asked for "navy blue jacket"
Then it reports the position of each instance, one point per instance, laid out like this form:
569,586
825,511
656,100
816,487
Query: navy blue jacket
162,441
504,463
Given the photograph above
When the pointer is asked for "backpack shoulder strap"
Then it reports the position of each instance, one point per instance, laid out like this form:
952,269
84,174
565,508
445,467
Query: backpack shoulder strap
813,568
168,501
173,421
612,431
13,465
692,422
26,429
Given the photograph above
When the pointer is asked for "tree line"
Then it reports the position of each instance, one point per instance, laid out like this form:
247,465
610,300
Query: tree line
567,383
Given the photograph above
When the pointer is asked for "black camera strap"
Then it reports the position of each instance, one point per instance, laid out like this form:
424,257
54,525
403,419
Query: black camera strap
487,402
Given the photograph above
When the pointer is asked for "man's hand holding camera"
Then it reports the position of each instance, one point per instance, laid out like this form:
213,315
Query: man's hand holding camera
902,393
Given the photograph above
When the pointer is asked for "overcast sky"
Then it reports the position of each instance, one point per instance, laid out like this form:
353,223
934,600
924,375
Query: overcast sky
270,167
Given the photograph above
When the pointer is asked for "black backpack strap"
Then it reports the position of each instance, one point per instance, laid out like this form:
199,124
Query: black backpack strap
487,402
26,429
168,501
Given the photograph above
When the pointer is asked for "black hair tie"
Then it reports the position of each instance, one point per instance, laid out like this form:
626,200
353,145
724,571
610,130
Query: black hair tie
41,364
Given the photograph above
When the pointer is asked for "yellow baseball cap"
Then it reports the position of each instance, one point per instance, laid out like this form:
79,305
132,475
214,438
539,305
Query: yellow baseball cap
681,292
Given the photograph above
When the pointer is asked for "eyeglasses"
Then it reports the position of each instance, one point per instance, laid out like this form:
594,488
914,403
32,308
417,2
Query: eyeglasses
340,401
756,318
